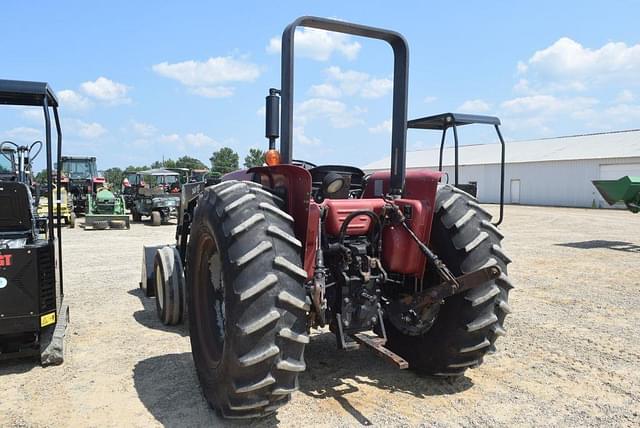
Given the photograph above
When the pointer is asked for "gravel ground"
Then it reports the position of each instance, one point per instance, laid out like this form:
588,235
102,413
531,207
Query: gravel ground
571,356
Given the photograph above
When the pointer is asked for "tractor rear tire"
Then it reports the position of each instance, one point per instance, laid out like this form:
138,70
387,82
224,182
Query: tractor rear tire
169,286
246,301
467,324
156,218
72,220
137,217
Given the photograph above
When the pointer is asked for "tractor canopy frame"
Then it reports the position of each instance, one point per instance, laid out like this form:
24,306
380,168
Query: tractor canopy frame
40,94
400,88
444,121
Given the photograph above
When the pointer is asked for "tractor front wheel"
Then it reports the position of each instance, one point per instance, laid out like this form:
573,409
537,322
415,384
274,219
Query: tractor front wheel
156,218
467,324
246,302
72,220
169,285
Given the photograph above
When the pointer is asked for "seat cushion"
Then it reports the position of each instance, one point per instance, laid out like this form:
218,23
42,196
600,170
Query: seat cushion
16,213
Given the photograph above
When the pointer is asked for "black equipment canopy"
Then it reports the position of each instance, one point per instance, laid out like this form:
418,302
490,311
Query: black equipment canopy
24,93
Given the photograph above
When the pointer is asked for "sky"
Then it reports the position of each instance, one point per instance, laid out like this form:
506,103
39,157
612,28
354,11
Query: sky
142,81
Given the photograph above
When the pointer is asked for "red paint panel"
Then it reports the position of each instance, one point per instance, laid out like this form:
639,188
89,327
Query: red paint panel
240,175
400,253
312,239
296,185
339,209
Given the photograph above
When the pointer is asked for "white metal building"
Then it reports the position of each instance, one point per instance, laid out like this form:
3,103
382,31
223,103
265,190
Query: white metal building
552,171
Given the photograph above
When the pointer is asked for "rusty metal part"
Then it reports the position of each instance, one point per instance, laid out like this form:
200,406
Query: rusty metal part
441,268
376,344
393,213
462,283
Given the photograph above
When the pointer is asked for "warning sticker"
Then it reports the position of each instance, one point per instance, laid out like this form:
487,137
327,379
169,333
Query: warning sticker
47,319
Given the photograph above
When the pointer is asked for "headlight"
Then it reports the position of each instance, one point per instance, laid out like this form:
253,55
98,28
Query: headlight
332,183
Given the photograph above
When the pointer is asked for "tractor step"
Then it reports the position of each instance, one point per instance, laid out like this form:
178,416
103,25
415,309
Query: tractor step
376,344
52,341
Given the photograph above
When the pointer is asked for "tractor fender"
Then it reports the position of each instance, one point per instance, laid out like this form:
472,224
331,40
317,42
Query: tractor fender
292,184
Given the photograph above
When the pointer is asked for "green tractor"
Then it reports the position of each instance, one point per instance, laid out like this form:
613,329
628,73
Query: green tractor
106,210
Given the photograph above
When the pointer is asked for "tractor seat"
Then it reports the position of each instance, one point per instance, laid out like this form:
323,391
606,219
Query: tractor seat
16,213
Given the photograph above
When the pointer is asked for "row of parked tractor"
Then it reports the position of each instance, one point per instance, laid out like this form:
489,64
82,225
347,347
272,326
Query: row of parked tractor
84,191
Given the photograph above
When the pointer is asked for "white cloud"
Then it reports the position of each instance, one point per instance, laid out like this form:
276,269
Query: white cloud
474,106
539,114
625,96
106,90
384,126
548,104
213,91
318,44
199,140
169,138
570,65
33,114
354,82
336,112
376,88
143,129
88,130
191,140
208,78
299,136
325,90
559,88
22,134
73,100
430,99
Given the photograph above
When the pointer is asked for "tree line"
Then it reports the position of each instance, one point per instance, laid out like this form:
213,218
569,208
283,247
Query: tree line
221,161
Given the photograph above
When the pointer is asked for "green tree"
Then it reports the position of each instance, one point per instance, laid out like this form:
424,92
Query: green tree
255,157
168,163
136,168
41,177
189,162
224,160
113,176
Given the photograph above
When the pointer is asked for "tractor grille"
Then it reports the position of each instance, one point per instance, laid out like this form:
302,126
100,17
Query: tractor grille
47,279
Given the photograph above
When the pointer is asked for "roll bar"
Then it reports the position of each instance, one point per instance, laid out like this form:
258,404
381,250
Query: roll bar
400,88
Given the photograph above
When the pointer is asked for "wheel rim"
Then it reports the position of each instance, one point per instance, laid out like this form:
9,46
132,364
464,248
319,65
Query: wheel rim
209,300
159,287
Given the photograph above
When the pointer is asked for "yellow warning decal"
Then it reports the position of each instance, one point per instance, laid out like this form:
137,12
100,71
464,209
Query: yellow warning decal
47,319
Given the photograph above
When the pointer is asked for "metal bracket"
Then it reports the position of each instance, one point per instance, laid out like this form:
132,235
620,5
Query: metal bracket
376,344
344,342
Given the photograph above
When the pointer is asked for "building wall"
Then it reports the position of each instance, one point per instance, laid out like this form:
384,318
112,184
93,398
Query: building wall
559,183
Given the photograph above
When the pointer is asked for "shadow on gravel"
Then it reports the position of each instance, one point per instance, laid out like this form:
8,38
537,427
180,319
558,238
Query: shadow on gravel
149,318
168,387
147,223
334,374
612,245
18,365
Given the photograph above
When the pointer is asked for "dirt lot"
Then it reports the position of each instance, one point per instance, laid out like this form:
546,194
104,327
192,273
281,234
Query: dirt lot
571,356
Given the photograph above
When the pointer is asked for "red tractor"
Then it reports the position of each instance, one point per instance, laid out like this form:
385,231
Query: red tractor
397,262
